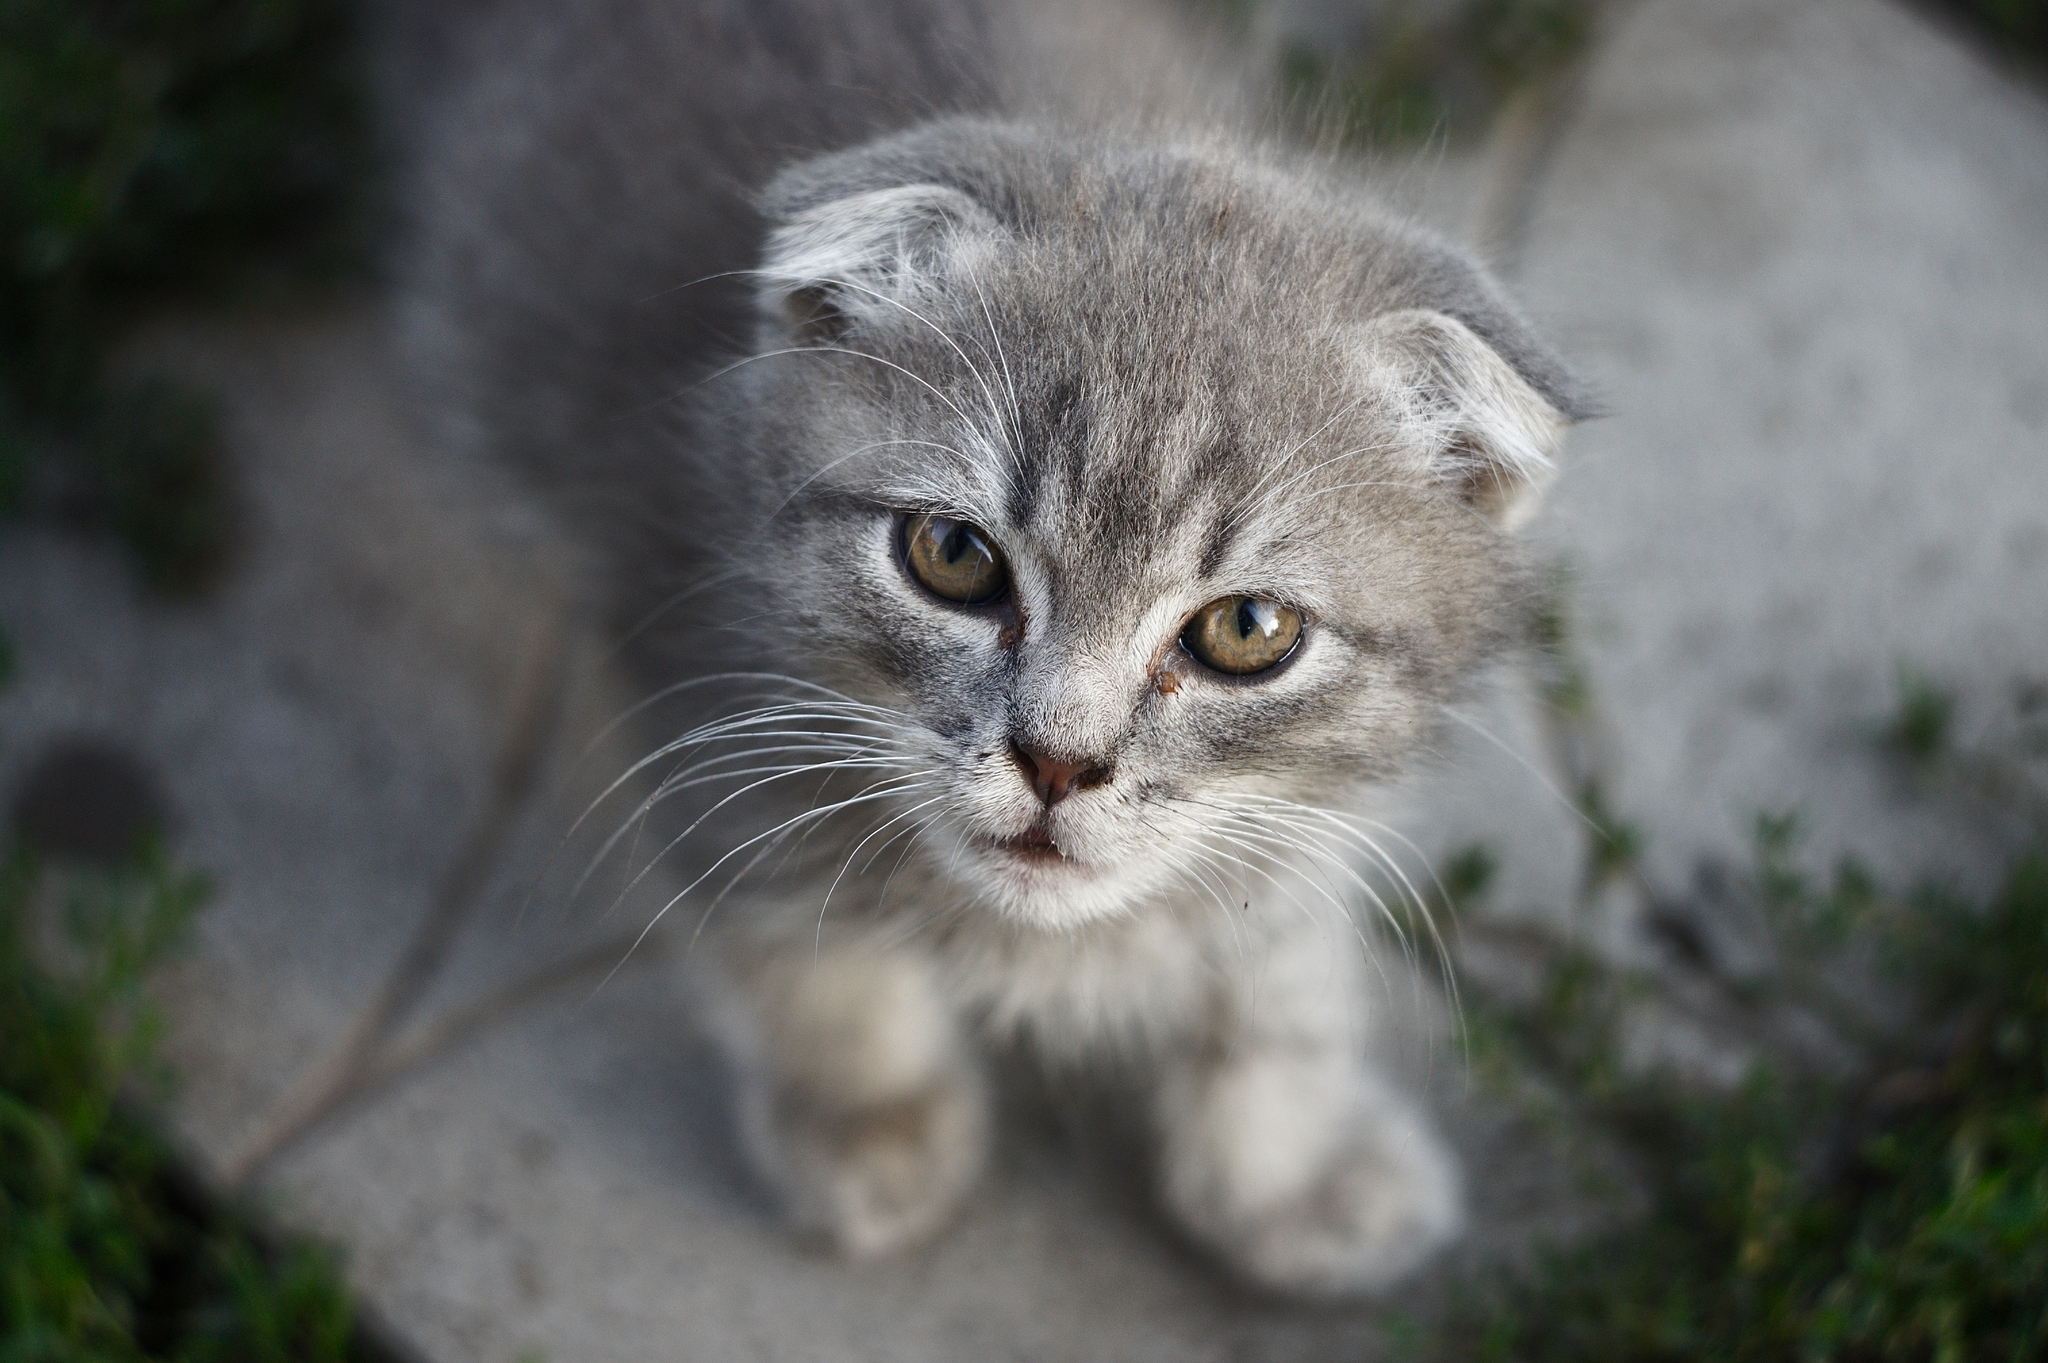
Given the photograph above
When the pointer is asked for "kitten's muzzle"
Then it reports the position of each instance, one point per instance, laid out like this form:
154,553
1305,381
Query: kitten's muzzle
1055,778
1034,844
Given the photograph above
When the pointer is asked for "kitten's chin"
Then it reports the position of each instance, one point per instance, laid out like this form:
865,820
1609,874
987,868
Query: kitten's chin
1028,880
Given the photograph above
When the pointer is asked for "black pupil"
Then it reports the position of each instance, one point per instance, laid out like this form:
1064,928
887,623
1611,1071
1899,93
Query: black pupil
1248,622
959,542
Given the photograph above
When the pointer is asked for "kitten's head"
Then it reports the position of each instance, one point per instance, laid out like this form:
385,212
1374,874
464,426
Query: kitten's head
1156,492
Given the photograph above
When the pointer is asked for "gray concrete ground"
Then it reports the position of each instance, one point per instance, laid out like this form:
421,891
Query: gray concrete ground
1800,247
1801,253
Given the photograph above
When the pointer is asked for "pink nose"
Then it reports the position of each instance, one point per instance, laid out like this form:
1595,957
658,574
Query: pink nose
1054,778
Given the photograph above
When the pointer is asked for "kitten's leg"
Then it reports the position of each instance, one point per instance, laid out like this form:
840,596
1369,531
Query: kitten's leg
1288,1155
859,1104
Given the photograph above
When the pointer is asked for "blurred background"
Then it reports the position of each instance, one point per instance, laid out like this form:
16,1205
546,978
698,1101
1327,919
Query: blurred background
1744,854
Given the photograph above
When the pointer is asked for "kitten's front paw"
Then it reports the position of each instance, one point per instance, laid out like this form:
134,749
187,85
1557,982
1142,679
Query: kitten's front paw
1372,1217
876,1177
1379,1196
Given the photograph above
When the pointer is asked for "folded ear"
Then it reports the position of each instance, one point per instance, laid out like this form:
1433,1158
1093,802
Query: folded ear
833,265
1477,426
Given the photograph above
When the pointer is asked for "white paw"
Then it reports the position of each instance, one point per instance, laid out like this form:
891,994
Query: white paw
870,1179
1361,1207
1387,1202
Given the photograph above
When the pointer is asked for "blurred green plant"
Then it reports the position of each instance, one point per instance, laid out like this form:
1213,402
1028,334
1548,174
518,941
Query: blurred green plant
2019,28
106,1254
1425,74
1902,1217
152,151
76,1233
1921,730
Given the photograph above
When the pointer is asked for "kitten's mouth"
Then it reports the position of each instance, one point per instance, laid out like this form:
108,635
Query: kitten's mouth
1034,845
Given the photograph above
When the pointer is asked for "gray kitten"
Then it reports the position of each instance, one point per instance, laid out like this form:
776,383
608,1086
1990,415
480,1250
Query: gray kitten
1053,515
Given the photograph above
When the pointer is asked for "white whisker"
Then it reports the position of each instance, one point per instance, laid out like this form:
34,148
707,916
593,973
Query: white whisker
831,889
866,796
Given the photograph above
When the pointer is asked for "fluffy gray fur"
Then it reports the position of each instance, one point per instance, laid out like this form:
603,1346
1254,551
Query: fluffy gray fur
744,284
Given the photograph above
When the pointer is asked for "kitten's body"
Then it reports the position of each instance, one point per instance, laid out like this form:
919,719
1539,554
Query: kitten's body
1154,367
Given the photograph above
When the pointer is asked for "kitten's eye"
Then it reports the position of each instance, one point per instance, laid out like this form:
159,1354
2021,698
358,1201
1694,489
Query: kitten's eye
1242,634
953,559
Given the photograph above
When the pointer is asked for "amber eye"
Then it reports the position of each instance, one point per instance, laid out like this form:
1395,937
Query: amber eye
1242,634
953,559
